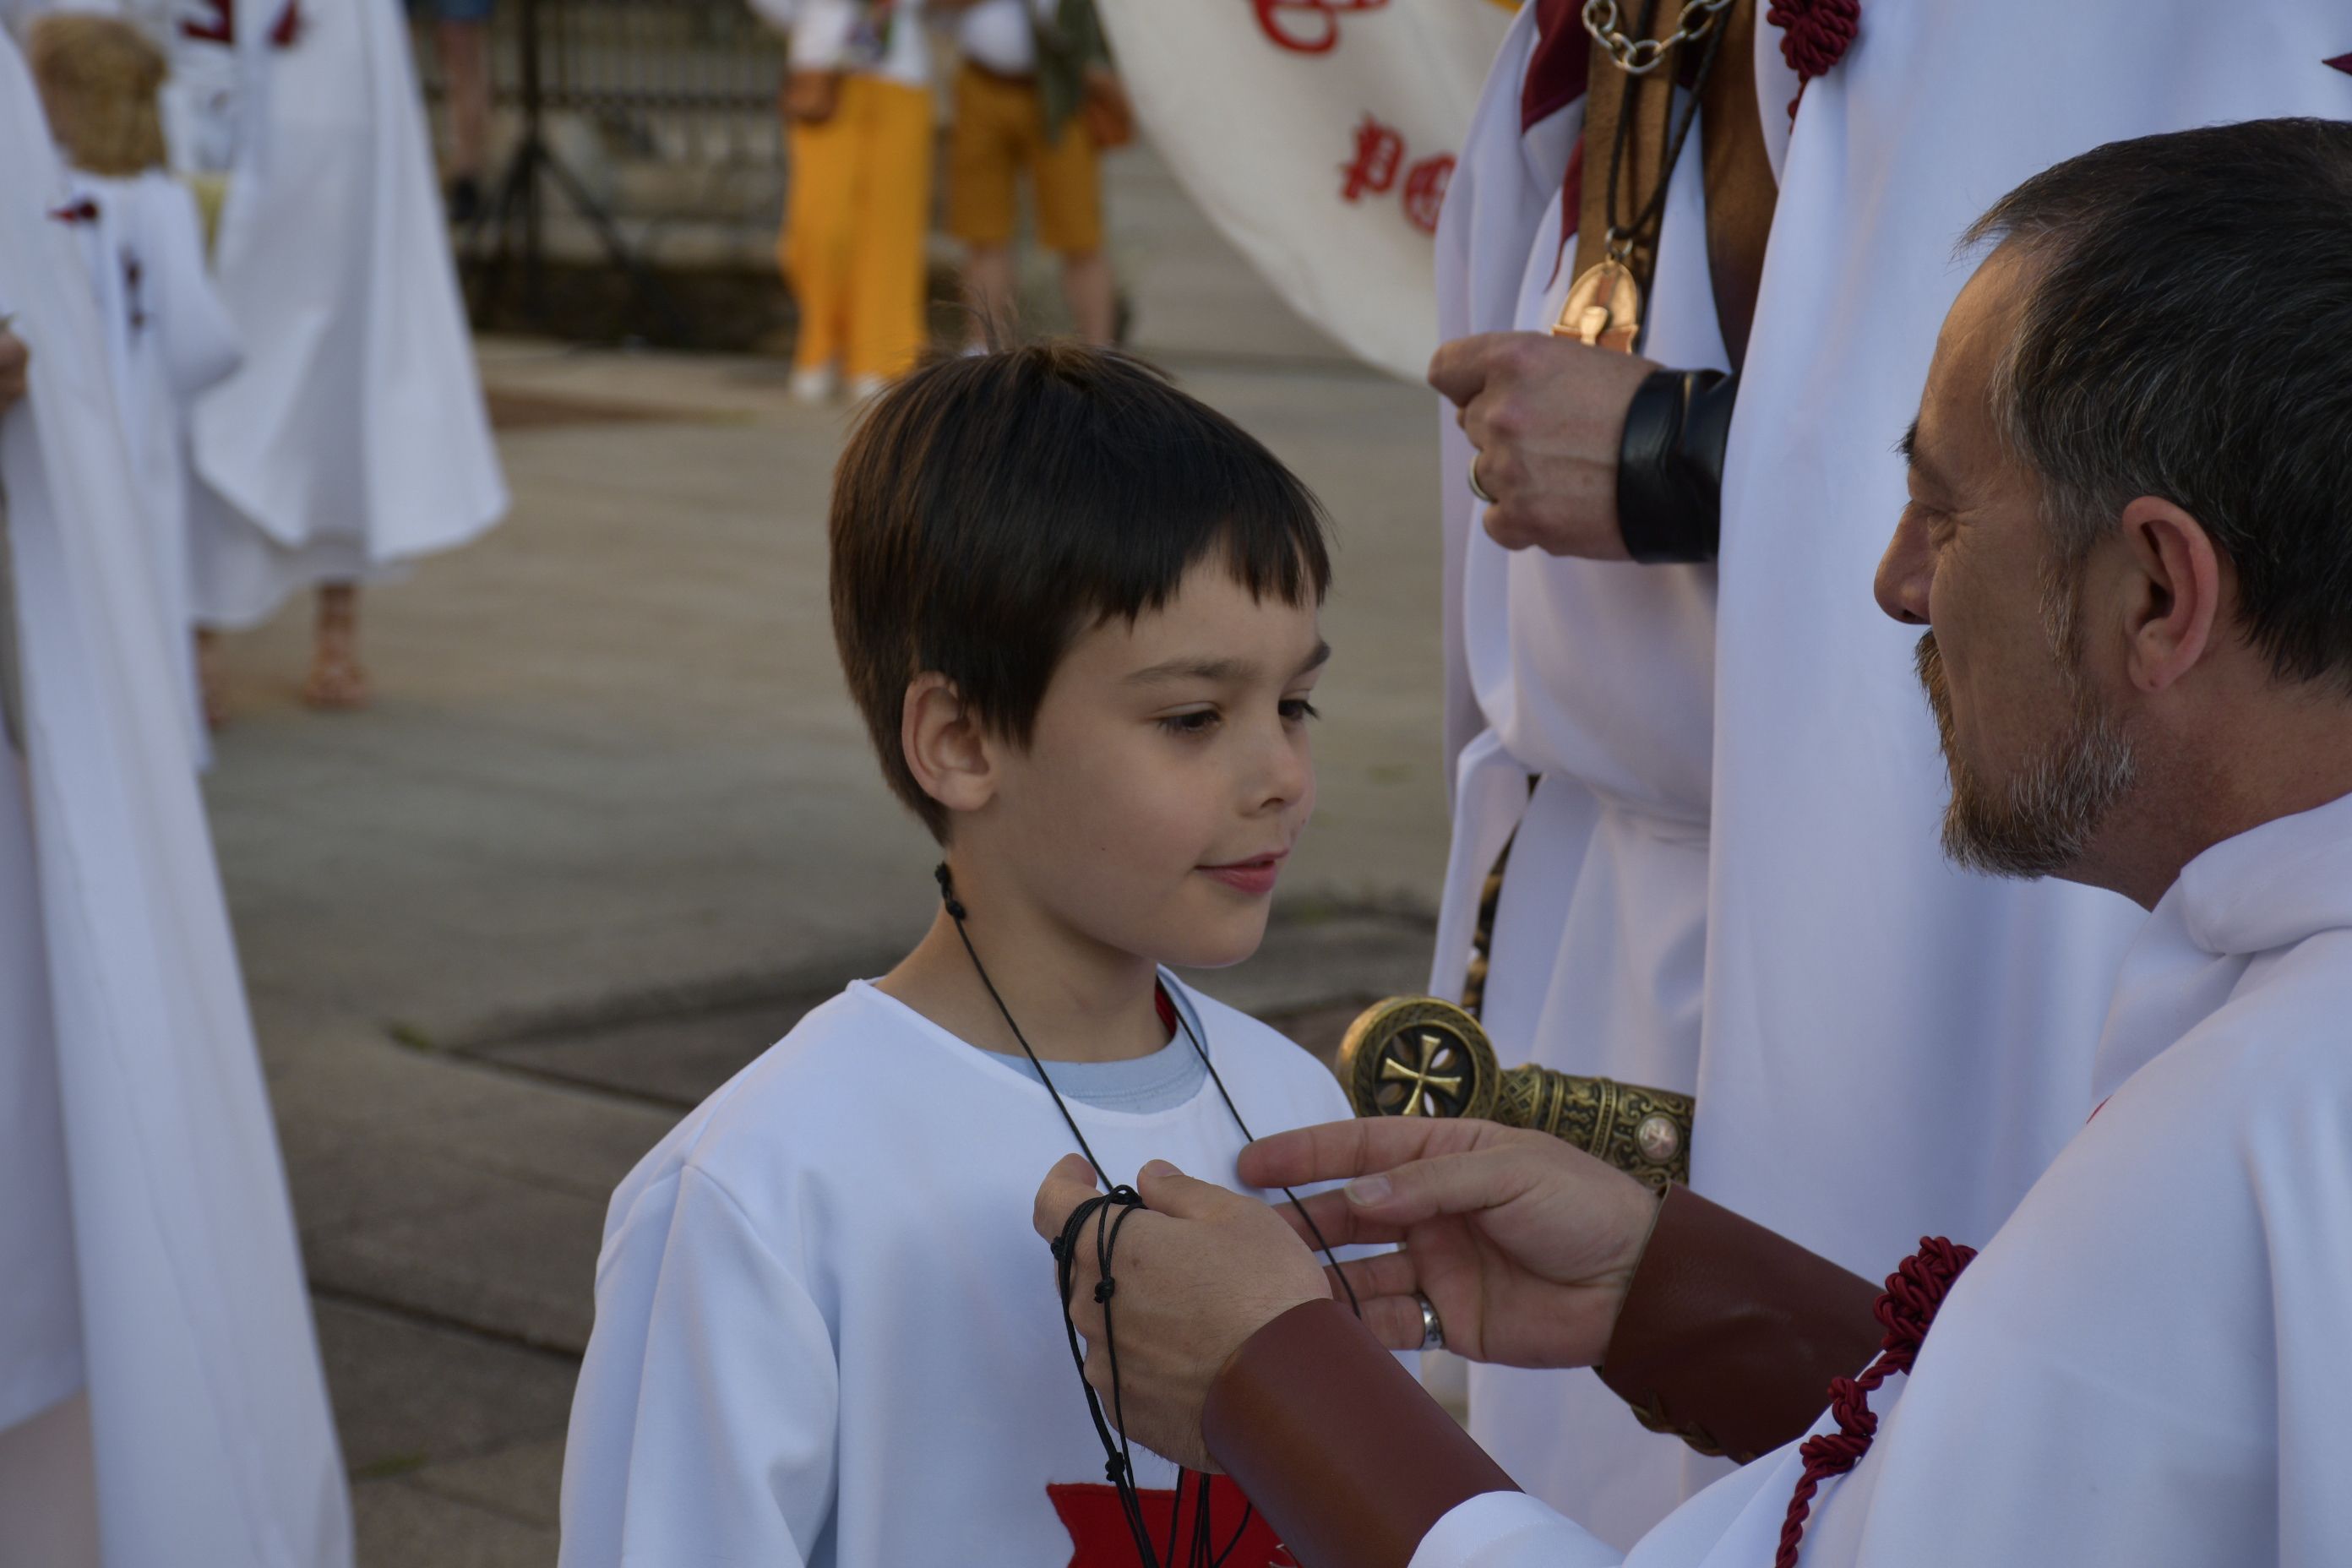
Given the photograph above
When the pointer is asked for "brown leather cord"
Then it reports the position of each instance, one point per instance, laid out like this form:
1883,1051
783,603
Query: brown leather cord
1741,189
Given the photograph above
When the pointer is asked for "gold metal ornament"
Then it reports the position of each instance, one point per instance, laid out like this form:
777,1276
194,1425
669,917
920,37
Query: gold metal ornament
1421,1056
1603,308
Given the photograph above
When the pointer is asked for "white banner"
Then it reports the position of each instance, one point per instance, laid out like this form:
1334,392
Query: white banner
1319,136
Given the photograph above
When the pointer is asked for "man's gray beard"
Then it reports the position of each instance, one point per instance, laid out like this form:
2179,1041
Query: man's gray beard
2040,820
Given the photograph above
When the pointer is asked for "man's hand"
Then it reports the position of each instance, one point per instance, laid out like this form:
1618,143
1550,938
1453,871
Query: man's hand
14,357
1546,416
811,97
1199,1272
1523,1245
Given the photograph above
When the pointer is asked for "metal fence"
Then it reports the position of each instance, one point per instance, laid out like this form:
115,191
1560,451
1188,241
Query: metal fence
641,132
693,80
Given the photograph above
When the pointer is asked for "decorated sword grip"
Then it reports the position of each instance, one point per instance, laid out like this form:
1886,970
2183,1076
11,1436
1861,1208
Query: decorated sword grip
1420,1056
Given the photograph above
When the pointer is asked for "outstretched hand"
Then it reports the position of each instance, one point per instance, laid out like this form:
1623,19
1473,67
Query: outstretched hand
1546,416
1523,1245
1194,1275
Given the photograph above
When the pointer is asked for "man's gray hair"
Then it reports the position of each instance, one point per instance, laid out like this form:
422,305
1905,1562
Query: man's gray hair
2188,335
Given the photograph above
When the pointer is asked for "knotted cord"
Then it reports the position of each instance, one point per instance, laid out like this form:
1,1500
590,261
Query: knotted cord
1915,1293
1109,1211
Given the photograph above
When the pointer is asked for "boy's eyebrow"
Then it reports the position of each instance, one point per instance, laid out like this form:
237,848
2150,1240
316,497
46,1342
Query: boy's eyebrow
1227,670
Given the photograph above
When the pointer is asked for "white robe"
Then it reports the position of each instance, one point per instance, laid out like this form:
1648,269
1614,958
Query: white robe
1597,677
167,339
825,1332
354,437
2147,1364
147,1249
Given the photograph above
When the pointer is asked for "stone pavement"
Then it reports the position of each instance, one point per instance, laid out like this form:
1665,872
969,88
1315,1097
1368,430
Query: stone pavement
612,823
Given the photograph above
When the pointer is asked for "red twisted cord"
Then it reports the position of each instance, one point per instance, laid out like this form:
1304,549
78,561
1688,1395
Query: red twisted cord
1915,1293
1814,35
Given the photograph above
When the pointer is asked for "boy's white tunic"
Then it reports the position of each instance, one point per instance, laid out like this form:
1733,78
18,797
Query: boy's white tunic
354,436
1864,1004
825,1333
2148,1365
168,339
147,1250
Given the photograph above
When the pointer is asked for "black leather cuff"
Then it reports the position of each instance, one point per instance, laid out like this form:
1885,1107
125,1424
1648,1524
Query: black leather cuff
1670,465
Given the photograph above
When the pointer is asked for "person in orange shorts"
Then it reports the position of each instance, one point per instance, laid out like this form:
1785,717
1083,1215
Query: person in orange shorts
858,125
1034,94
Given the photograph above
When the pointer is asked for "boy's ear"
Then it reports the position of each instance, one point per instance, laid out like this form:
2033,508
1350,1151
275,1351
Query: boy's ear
946,748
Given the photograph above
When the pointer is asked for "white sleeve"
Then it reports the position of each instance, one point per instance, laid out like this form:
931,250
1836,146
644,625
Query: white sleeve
200,341
821,32
703,1429
1510,1530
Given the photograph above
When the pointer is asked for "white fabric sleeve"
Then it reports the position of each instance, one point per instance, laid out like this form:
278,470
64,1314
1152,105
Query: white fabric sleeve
1510,1529
821,31
200,341
704,1427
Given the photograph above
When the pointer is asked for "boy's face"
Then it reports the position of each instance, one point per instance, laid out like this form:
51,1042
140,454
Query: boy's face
1168,774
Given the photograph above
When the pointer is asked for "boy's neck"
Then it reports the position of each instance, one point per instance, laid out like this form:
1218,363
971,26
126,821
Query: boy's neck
1076,1000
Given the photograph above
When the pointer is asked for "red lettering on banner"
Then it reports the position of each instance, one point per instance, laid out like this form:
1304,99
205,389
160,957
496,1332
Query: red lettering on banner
1424,191
219,26
1317,31
1378,152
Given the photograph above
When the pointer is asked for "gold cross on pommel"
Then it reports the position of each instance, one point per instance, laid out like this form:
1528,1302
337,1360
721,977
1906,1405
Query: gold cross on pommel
1427,1082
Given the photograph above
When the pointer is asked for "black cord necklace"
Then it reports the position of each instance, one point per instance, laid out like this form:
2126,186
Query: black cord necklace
1109,1213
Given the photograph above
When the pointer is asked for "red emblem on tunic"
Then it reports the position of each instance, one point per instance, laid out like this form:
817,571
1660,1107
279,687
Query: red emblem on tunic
1379,150
1307,27
1098,1528
1424,191
2341,62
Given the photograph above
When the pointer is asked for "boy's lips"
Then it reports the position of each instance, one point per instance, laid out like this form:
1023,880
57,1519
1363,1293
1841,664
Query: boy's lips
1254,876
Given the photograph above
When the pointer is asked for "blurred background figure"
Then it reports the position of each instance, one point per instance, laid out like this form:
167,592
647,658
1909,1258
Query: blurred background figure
162,1397
858,122
1035,95
353,438
167,336
461,40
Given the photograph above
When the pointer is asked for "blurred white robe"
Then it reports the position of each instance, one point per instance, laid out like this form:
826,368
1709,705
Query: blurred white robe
1596,677
147,1249
2147,1364
354,436
167,339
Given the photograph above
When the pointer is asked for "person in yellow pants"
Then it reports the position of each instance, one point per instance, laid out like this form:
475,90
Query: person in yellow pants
1002,128
858,124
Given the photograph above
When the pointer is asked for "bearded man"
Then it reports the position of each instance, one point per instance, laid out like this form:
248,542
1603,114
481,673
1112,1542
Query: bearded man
2127,527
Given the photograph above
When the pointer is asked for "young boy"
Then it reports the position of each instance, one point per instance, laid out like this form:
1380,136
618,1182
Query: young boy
1078,610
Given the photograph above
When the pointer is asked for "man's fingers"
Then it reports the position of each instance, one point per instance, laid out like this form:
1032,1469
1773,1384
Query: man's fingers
1448,1184
1070,1182
1338,1220
1334,1151
1382,1274
1395,1320
1460,369
1169,1191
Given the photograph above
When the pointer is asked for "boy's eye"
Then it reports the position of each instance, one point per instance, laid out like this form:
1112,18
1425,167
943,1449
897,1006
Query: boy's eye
1195,723
1297,710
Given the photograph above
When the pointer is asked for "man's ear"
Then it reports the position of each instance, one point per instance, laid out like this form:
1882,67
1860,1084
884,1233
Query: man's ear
2173,610
946,748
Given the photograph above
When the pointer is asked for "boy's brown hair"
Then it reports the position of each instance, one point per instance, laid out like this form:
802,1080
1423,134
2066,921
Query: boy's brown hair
991,508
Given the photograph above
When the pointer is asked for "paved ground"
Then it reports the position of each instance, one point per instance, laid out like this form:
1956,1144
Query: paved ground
612,825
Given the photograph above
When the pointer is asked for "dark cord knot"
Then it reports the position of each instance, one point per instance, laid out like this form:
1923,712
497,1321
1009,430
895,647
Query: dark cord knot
956,912
1105,1289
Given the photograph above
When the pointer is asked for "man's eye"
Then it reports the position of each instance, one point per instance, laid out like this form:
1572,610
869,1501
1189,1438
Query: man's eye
1199,723
1297,710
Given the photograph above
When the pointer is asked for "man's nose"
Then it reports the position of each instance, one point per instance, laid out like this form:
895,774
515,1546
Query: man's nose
1905,573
